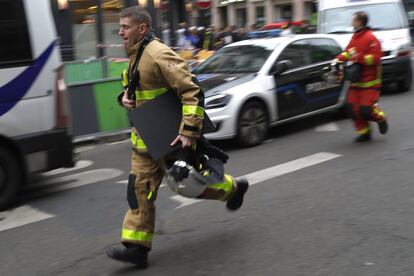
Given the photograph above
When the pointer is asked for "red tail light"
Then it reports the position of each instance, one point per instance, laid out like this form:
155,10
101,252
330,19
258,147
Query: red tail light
62,118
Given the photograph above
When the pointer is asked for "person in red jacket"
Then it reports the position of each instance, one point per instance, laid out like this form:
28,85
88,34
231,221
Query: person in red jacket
364,49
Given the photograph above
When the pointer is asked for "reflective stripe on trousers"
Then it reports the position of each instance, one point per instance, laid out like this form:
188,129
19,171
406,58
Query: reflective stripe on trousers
226,186
363,131
137,142
136,235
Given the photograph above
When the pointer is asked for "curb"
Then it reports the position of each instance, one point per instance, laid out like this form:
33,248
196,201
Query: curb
102,137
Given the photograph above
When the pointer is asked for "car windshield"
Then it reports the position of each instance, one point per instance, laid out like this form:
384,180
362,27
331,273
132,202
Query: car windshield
235,59
385,16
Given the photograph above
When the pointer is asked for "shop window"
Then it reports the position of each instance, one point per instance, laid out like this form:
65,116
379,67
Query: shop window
112,42
241,18
286,12
85,28
311,13
223,14
84,16
260,16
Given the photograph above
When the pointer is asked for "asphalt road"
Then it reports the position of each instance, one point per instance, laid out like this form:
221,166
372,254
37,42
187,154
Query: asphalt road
327,207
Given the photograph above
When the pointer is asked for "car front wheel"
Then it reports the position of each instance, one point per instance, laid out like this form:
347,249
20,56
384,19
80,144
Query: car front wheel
253,124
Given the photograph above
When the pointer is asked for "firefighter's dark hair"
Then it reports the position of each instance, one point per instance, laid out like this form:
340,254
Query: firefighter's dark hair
137,14
362,17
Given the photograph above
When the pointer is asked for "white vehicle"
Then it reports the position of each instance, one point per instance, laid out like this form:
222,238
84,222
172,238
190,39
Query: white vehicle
389,21
33,120
253,84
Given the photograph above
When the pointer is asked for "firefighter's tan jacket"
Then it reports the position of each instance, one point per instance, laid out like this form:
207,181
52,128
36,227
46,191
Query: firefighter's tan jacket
161,70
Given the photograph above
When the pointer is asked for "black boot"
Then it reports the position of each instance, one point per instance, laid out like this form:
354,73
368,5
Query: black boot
236,201
135,254
383,126
363,138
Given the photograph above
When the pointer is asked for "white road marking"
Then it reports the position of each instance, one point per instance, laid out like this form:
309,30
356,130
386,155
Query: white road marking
77,180
272,172
120,142
82,149
125,182
79,165
184,201
330,127
268,141
25,214
21,216
288,167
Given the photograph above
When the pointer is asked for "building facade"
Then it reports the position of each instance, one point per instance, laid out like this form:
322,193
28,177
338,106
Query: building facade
89,28
246,13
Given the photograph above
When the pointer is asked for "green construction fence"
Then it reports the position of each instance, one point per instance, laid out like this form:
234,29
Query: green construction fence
93,87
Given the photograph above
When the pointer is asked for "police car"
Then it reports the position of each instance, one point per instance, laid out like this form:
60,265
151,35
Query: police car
254,84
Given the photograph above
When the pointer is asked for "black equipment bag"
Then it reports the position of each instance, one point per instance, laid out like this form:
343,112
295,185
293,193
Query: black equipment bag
352,72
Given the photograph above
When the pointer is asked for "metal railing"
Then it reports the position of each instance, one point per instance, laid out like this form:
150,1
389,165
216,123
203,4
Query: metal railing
93,70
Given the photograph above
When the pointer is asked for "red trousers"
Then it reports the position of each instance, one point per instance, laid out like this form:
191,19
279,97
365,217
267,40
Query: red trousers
363,107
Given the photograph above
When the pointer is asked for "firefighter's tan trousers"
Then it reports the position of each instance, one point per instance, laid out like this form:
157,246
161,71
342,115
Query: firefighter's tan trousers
144,181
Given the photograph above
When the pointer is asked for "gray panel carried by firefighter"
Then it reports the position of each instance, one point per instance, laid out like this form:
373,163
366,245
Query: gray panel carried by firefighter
158,122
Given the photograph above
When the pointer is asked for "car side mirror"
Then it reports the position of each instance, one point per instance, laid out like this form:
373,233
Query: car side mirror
281,67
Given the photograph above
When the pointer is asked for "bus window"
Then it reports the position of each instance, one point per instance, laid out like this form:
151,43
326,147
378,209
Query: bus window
15,49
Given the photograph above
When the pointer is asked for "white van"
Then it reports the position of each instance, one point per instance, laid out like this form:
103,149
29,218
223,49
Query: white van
389,21
33,119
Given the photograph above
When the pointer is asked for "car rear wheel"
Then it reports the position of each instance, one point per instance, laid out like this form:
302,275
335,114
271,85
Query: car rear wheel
253,124
10,178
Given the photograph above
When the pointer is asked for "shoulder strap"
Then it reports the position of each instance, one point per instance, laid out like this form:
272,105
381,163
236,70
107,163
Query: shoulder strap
133,75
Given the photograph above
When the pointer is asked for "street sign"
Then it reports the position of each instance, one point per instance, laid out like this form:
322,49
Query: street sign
203,4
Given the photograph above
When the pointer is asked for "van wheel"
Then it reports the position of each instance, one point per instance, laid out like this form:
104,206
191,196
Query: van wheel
10,178
253,124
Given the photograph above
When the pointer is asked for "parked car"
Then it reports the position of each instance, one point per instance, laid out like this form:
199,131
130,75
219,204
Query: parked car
254,84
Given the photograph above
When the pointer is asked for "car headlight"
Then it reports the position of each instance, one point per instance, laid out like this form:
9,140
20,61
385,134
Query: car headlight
217,101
